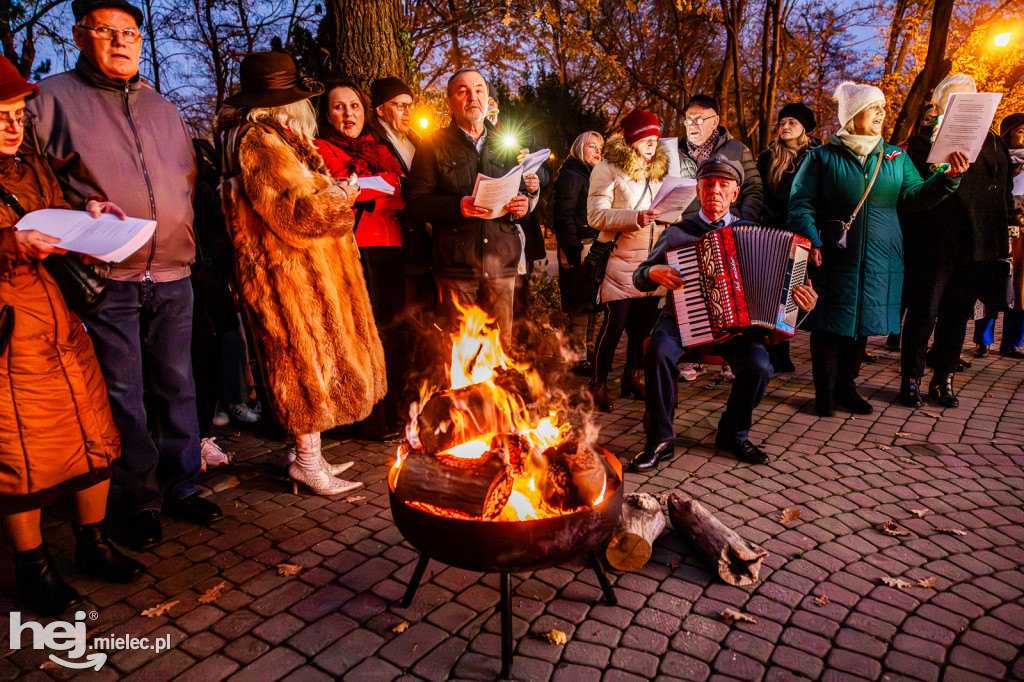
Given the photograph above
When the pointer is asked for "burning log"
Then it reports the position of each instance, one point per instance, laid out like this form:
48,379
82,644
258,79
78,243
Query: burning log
575,476
464,414
639,526
513,450
738,561
477,486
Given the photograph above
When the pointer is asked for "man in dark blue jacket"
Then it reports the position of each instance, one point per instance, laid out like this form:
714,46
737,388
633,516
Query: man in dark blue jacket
718,185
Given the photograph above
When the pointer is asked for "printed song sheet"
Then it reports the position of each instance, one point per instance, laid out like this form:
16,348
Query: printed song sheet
965,125
494,193
671,145
107,238
534,161
376,182
673,197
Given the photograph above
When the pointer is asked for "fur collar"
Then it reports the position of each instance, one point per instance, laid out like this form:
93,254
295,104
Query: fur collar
625,158
230,118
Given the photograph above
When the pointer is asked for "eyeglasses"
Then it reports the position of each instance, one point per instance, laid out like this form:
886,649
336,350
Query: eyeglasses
698,120
401,106
8,121
129,36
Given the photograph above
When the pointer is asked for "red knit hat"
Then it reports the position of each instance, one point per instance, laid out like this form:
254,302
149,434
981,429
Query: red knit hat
12,84
638,125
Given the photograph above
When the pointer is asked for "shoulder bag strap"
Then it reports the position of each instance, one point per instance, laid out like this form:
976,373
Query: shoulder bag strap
636,207
12,201
871,183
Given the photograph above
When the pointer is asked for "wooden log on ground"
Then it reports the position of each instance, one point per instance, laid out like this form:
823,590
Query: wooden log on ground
640,524
478,487
737,561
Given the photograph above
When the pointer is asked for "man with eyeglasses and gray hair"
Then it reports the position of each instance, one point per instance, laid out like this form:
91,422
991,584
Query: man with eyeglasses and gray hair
108,134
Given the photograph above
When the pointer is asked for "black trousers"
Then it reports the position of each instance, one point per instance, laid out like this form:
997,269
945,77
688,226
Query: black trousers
635,316
940,299
835,362
384,271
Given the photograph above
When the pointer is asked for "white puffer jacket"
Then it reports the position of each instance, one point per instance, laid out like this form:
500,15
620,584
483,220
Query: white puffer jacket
616,186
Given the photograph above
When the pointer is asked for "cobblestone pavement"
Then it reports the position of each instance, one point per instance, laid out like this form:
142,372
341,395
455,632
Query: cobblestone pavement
847,475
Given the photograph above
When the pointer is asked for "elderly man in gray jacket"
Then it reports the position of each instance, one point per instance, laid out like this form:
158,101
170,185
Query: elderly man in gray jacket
107,133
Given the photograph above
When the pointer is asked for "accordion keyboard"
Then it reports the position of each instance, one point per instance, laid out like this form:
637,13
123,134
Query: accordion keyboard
691,311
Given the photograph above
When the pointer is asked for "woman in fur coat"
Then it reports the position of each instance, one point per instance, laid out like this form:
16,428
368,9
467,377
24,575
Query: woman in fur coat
621,190
297,264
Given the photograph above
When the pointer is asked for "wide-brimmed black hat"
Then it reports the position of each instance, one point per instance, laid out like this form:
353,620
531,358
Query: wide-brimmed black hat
271,79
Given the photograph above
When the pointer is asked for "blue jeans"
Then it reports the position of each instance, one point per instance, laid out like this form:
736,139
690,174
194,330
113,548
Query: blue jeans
143,335
746,355
1013,330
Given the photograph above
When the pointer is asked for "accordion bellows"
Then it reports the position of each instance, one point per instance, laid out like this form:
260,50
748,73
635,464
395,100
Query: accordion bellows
738,278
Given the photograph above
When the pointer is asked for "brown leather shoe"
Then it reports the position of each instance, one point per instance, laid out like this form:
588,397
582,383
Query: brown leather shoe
633,384
602,400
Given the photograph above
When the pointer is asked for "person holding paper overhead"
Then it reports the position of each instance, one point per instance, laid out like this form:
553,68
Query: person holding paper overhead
476,258
57,436
844,200
953,253
351,148
622,188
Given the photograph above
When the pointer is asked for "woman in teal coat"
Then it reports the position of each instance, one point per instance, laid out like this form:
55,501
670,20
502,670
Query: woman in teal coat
859,283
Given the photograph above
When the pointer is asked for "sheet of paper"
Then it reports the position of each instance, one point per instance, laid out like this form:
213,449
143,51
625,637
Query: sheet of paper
107,238
535,160
376,182
674,195
494,193
671,145
965,125
1018,184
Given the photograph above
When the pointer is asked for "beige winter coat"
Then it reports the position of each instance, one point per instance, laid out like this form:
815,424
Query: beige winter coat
616,187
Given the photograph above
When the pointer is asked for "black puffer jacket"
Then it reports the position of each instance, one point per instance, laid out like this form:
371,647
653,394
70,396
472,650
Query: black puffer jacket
776,204
570,209
444,171
971,225
748,206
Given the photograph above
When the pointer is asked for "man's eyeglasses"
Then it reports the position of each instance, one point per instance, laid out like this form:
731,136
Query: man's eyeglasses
401,106
697,120
8,121
129,36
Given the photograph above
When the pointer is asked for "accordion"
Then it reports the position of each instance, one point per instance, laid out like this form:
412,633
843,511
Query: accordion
738,278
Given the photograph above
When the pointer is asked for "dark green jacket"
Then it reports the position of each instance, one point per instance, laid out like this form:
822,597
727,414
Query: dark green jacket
859,287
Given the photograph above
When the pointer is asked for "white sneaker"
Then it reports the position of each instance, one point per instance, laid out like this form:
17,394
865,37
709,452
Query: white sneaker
727,373
245,414
212,455
691,370
222,418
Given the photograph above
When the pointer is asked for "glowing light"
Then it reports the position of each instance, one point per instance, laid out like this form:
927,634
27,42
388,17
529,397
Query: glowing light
600,498
522,506
473,449
424,122
552,155
509,141
1003,39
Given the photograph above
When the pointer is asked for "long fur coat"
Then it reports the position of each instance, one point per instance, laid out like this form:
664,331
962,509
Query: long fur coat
299,275
620,187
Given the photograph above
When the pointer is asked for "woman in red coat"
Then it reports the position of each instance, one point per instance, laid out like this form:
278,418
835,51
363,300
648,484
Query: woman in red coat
57,434
350,149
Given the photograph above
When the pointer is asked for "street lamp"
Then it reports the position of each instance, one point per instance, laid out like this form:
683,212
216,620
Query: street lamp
424,122
1002,40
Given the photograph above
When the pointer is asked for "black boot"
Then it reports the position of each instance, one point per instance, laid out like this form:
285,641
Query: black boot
910,392
825,367
940,389
632,384
846,396
602,401
95,556
40,586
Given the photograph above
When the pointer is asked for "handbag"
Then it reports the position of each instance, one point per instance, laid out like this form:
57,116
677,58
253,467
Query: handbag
996,290
835,231
79,283
596,262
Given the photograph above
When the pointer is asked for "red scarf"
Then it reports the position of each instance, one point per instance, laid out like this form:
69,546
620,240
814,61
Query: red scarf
364,152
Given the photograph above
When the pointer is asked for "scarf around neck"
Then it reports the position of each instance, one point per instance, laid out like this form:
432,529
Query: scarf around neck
701,153
861,145
363,152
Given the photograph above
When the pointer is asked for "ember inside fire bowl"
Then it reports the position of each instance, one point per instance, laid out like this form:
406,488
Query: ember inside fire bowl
512,546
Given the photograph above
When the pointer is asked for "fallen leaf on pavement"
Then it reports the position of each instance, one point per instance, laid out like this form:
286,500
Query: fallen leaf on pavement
731,616
159,609
988,395
556,637
354,498
897,582
931,414
212,594
905,459
790,515
46,665
952,531
918,513
674,563
884,447
288,569
822,600
902,435
890,528
927,582
401,627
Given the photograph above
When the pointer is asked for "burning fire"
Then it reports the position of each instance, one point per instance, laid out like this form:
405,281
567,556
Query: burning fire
493,404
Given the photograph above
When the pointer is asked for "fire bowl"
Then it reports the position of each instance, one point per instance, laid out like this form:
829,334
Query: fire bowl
511,546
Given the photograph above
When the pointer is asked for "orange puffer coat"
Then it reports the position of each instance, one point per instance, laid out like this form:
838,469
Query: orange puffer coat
57,434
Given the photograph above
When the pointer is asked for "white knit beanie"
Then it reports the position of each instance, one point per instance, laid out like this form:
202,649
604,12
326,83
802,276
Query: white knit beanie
853,98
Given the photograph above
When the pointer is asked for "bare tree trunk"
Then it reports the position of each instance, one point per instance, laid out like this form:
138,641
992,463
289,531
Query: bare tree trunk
770,55
361,39
734,27
935,68
147,6
895,31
